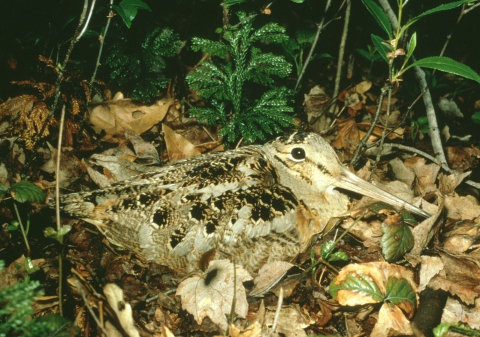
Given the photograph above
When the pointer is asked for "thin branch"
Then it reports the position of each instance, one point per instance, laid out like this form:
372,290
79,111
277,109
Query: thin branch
341,51
363,144
314,44
88,20
434,131
57,211
57,88
102,41
429,157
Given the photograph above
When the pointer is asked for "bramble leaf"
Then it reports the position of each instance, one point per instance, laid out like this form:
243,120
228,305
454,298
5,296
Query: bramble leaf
25,191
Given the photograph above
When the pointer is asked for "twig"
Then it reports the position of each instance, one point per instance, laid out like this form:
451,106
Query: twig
277,312
57,211
434,131
102,41
433,159
314,44
21,227
341,51
57,88
382,139
86,23
363,144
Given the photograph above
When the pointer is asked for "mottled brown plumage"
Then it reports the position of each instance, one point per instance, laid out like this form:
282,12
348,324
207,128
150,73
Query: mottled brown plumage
256,203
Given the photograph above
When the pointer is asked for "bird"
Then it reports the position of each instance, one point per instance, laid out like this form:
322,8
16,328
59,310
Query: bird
256,204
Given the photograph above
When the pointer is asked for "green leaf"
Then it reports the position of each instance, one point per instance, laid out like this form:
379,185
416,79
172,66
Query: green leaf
338,256
448,65
298,1
423,124
397,240
29,266
327,249
26,191
52,233
383,50
128,9
380,16
228,3
475,119
357,283
398,291
444,7
411,45
441,329
3,190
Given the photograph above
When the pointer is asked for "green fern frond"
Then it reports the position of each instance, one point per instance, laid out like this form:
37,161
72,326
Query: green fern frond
141,64
225,82
213,48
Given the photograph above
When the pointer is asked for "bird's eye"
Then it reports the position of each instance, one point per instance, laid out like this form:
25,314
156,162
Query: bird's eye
297,154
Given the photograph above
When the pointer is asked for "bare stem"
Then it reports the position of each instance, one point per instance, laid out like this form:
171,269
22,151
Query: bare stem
314,44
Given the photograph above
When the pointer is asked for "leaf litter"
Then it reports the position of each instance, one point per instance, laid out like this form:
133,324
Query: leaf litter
210,302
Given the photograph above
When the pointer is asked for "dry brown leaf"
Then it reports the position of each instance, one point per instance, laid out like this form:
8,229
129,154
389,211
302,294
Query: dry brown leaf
391,322
71,167
268,276
214,299
316,103
426,176
461,277
462,236
456,312
122,309
146,152
114,117
177,146
423,232
448,183
402,172
431,266
253,330
462,158
347,130
461,208
292,320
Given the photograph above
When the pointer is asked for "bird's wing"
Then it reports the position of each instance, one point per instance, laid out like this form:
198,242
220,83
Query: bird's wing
230,202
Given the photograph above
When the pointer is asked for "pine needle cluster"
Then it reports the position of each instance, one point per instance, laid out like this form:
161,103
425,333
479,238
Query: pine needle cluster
143,67
238,82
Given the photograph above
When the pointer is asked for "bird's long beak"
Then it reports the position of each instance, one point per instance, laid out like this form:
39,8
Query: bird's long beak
351,182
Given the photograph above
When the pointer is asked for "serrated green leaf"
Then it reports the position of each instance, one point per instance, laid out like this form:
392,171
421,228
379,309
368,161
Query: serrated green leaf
380,16
398,291
26,191
360,284
448,65
382,49
298,1
475,119
396,241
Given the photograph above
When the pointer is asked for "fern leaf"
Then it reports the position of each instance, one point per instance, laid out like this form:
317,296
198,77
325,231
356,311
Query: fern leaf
213,48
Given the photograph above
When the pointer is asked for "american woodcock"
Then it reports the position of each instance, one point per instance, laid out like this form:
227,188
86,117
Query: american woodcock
258,203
